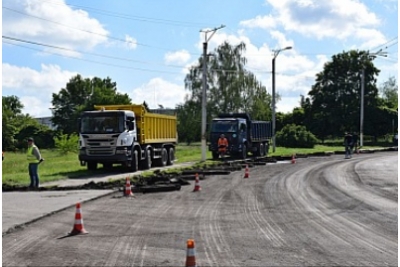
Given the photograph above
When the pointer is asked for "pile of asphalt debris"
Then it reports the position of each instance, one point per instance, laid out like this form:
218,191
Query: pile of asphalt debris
162,181
159,181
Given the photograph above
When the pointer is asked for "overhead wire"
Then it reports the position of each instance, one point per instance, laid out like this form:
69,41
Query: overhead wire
92,61
90,32
129,17
104,56
88,53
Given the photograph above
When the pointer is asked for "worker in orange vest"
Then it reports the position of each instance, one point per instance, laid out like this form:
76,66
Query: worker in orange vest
222,145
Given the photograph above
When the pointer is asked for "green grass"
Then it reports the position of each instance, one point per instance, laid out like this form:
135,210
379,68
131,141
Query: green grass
58,167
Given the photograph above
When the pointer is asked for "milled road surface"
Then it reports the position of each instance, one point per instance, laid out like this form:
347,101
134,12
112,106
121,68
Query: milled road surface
320,211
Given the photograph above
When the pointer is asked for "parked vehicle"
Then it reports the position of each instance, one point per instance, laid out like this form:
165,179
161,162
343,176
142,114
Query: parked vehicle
244,135
127,135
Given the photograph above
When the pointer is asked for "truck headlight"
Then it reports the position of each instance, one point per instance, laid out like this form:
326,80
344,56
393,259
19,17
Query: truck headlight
121,151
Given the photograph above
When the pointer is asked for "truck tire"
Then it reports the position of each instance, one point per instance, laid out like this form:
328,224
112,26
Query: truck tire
162,161
261,150
134,162
92,165
171,156
266,149
215,155
146,163
243,155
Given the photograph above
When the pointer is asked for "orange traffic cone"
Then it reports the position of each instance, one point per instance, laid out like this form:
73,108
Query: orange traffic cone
197,184
190,254
78,225
128,190
293,159
246,172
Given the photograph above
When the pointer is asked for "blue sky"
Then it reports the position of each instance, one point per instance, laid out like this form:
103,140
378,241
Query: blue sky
146,47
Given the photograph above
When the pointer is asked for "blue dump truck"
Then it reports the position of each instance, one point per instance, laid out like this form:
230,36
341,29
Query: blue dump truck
244,135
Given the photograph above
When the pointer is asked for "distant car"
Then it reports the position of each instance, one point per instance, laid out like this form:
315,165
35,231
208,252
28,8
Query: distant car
395,139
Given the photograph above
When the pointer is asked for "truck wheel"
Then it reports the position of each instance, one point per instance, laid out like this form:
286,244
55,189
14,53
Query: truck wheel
171,156
146,164
266,149
162,161
261,150
91,165
244,153
164,157
215,155
134,161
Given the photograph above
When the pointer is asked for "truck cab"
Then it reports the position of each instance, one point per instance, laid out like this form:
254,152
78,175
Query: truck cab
244,135
234,129
106,136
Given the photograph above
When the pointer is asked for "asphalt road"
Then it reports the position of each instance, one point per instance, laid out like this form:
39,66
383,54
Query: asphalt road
319,211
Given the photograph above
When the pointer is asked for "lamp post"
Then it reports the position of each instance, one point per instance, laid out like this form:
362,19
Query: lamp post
276,53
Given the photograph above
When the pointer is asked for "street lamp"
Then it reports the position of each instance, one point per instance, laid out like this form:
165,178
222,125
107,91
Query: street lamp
276,53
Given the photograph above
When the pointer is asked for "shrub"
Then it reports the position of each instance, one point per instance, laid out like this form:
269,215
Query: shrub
293,135
66,143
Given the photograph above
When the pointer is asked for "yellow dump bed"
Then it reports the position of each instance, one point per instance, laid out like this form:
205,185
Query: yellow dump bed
152,127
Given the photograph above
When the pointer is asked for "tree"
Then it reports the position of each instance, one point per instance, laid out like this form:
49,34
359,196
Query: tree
389,93
293,135
230,87
334,101
11,110
80,95
189,121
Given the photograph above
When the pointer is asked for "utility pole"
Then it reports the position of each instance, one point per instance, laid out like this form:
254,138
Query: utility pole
367,56
362,107
204,95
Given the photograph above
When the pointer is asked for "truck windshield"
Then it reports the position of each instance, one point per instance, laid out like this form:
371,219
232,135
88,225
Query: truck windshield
102,123
224,126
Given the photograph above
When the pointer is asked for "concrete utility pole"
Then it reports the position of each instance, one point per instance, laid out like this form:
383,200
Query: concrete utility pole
204,96
368,56
276,53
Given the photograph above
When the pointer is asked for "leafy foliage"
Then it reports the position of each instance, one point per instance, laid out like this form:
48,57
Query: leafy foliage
230,88
334,101
293,135
80,95
65,143
389,91
189,122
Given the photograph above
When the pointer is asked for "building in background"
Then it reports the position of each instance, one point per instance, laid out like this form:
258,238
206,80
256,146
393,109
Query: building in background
47,122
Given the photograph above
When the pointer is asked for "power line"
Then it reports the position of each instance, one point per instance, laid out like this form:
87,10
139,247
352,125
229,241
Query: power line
105,56
92,61
129,17
391,40
88,53
90,32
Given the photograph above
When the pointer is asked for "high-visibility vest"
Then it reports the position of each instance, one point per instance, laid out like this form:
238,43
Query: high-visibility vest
222,142
29,155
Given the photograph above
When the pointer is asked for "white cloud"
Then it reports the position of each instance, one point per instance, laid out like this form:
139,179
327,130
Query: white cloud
159,92
320,19
264,22
180,57
34,88
131,42
52,23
